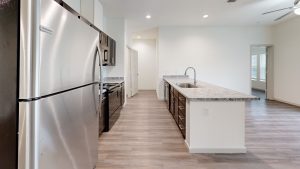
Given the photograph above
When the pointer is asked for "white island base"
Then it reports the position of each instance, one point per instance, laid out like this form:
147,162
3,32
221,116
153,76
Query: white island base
215,126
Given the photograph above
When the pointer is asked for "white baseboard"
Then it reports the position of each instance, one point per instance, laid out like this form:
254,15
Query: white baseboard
286,102
233,150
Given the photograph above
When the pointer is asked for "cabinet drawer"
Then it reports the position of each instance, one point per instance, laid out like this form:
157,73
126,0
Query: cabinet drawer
181,106
181,98
181,119
176,109
176,93
171,108
181,113
172,89
182,129
181,126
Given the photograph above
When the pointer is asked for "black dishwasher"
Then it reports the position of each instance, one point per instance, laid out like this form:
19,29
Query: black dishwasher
102,113
167,94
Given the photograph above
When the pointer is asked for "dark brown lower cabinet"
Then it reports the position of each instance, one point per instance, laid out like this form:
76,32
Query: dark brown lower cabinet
172,101
122,94
177,107
101,115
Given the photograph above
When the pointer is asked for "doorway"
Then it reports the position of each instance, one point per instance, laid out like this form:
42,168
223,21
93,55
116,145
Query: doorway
148,63
133,72
262,71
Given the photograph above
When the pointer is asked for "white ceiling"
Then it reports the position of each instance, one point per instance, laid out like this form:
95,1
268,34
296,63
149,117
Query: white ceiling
190,12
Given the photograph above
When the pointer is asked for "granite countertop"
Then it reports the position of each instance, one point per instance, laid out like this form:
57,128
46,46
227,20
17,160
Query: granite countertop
206,91
113,80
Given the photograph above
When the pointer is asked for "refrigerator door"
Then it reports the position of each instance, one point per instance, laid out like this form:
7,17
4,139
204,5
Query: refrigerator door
65,128
66,57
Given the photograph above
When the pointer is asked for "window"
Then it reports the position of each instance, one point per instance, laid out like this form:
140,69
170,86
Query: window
254,67
258,67
263,67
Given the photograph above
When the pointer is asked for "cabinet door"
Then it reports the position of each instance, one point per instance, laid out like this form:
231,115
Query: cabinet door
182,128
87,10
101,115
98,14
123,94
176,109
172,104
167,94
113,102
74,4
182,114
120,96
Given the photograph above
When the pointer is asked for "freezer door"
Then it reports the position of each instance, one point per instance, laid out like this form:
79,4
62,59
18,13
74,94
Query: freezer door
66,58
61,131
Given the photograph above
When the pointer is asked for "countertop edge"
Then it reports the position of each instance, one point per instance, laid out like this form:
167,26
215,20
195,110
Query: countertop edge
237,99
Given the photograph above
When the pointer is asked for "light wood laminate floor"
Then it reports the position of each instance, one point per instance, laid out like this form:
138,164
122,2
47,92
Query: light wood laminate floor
146,137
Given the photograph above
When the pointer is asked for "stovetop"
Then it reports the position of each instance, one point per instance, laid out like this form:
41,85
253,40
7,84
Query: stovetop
110,86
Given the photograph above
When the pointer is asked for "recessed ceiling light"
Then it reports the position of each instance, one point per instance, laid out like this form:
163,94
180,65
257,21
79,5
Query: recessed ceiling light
205,16
138,37
148,17
297,11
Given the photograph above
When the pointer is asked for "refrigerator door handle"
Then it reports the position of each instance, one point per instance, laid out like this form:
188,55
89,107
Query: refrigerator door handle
46,30
98,52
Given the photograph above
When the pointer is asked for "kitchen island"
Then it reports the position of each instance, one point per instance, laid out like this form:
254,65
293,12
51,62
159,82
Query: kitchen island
211,118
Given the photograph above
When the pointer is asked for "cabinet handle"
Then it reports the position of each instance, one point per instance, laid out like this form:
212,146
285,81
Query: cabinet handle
181,127
181,107
181,118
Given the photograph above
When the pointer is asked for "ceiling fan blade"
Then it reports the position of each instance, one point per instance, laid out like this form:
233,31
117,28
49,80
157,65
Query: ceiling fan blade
283,16
278,10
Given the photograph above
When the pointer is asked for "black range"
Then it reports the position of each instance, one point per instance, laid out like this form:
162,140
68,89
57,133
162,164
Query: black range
112,103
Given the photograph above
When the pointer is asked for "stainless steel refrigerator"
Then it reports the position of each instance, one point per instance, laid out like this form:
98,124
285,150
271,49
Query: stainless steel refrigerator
56,77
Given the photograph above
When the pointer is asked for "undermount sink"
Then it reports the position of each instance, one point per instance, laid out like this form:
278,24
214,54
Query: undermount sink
187,85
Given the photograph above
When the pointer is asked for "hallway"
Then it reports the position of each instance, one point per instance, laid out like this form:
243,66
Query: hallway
260,94
146,137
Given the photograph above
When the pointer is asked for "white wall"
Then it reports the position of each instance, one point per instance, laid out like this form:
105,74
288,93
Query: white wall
75,4
115,28
148,64
221,55
259,85
287,61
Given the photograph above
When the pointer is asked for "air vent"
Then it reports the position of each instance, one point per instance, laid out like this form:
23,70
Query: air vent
230,1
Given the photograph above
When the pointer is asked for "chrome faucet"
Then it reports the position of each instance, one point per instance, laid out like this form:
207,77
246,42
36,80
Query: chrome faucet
195,80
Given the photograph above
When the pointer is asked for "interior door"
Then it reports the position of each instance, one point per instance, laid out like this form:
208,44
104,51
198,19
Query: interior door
134,71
